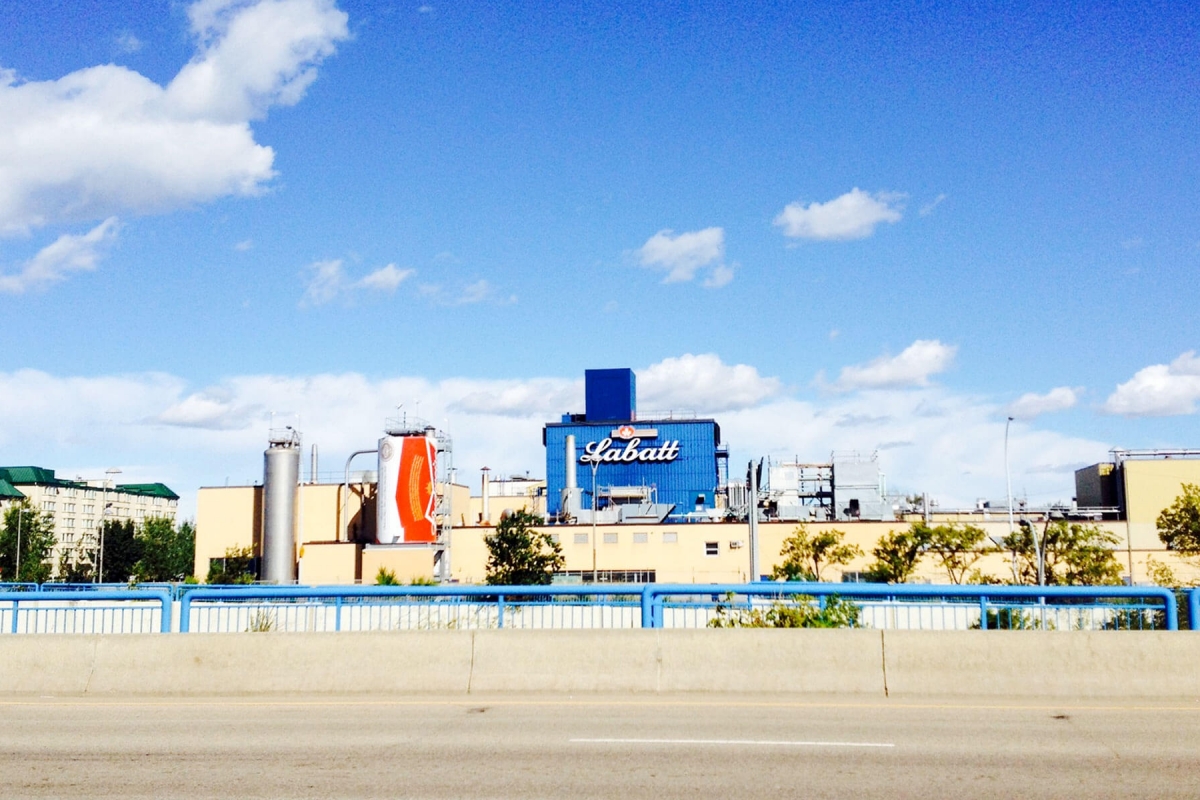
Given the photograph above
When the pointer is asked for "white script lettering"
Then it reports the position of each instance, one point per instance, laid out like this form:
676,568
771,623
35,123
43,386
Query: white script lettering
604,452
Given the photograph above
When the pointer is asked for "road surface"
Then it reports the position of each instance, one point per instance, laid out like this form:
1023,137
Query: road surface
627,747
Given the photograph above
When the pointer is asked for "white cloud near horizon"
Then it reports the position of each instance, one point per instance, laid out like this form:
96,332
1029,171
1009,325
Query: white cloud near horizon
911,368
157,427
106,140
1031,404
67,254
682,255
853,215
1159,390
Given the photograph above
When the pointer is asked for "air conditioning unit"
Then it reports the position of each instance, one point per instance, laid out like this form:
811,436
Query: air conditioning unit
736,544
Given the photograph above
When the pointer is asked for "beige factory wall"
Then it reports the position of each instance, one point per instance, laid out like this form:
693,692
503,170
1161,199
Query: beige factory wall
1150,486
226,516
230,517
330,562
407,561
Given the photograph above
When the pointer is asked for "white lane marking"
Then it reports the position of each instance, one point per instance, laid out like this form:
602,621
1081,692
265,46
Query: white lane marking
769,742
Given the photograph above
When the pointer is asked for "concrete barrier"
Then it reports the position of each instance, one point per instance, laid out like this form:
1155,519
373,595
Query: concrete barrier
1080,664
850,662
772,660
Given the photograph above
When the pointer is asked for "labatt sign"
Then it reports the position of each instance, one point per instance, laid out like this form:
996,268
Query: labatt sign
606,451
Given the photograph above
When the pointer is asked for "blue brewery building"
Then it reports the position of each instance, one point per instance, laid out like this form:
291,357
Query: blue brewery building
668,468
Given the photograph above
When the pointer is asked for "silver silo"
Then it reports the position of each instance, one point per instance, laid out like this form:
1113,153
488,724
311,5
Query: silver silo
281,474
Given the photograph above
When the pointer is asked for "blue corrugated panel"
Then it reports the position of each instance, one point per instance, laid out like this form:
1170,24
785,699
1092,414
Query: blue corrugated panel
610,395
692,475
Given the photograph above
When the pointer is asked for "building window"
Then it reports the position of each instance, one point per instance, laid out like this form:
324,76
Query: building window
48,505
581,538
89,509
69,506
641,538
158,501
70,491
70,522
610,538
712,548
670,537
554,537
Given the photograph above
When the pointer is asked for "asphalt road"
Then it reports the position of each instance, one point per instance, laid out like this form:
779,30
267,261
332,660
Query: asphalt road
625,747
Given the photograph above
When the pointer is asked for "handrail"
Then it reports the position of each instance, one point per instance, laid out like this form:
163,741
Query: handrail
451,590
983,593
164,598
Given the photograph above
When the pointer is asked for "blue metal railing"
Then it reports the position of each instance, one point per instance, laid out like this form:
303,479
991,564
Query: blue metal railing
988,597
499,595
646,601
41,598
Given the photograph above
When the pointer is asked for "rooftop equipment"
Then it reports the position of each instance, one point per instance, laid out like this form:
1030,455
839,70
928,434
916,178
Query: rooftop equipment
281,475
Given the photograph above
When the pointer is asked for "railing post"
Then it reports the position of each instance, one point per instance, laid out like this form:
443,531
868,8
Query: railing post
337,617
185,612
1194,609
648,606
983,604
658,611
14,615
167,606
1170,608
500,614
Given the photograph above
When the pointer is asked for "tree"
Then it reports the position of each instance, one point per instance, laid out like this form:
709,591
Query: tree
168,552
897,555
236,567
518,555
31,530
121,551
804,555
1075,554
1179,523
75,565
956,548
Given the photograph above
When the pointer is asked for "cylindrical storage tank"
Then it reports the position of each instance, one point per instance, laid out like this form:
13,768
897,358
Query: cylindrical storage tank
569,456
281,473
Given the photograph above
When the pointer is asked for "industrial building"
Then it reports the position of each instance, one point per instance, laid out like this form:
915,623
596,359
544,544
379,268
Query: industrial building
78,507
629,497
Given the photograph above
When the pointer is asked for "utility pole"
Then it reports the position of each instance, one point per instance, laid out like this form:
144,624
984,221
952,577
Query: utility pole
752,518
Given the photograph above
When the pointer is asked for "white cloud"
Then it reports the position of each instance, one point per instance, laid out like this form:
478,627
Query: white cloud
928,208
913,367
683,254
385,279
157,427
127,43
721,275
69,253
854,215
1031,405
1160,390
106,140
244,245
702,383
325,281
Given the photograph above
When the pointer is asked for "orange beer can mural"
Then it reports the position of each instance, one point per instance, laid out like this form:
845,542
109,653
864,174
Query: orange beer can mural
406,501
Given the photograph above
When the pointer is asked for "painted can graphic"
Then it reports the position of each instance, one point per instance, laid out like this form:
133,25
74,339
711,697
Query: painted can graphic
407,472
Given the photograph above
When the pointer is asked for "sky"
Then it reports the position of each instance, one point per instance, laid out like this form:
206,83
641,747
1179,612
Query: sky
871,227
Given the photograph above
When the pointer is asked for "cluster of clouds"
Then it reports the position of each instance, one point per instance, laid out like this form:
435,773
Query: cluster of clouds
106,141
853,215
928,436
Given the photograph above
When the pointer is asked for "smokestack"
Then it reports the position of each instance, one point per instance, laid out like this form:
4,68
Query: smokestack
569,455
312,466
486,492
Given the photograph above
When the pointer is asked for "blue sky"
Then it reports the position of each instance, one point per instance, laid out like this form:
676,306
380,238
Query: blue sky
867,226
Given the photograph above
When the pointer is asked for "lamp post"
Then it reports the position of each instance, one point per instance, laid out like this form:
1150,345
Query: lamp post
99,577
1008,485
17,571
595,572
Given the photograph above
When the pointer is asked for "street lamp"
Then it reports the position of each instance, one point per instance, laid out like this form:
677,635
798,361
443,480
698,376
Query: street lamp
17,571
104,504
595,572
